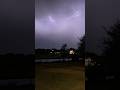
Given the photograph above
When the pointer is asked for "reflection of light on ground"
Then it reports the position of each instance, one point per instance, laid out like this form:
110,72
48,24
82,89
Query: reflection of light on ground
52,60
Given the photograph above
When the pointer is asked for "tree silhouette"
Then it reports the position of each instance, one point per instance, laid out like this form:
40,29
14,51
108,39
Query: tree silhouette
112,47
64,46
81,47
63,51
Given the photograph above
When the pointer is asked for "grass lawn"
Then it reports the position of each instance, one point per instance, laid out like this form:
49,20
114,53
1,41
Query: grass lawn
60,76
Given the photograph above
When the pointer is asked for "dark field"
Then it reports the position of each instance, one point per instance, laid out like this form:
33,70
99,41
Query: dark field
60,76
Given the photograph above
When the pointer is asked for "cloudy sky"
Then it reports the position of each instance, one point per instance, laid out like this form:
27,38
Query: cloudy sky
58,22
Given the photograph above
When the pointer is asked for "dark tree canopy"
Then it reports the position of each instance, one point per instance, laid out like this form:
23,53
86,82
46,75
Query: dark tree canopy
63,47
81,46
63,50
112,42
112,46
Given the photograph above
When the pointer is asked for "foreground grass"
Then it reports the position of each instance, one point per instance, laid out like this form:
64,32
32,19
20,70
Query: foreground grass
59,76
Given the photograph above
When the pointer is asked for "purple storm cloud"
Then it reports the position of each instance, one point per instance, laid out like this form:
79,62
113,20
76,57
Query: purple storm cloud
58,22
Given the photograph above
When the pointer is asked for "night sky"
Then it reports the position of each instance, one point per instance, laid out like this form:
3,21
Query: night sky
99,13
17,26
58,22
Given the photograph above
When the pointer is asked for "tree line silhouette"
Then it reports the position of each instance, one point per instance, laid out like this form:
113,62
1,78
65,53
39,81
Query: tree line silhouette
106,74
63,52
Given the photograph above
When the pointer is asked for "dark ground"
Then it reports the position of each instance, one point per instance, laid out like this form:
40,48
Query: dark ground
59,76
14,69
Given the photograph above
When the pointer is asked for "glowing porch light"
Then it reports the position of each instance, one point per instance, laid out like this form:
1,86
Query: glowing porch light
71,52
